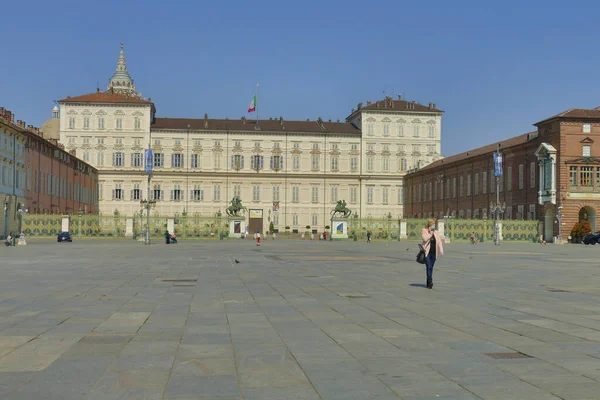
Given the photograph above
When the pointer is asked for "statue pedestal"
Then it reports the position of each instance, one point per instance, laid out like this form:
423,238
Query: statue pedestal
339,228
237,226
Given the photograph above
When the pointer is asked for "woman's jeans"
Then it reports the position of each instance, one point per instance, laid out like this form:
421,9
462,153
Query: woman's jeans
429,262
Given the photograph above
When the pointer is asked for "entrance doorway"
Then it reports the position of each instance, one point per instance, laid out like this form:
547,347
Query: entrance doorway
548,226
255,222
588,214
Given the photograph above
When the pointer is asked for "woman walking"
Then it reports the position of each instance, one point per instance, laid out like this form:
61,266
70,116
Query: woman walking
432,243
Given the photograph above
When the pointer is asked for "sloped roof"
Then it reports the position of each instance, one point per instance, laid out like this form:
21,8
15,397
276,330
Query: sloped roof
269,125
390,104
487,149
581,113
105,97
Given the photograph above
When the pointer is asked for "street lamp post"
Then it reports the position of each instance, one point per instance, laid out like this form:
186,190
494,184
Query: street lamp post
21,212
389,220
148,205
497,208
559,217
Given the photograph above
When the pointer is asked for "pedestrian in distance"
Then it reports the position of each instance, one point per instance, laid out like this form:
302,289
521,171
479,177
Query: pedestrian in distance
258,237
432,244
369,236
473,238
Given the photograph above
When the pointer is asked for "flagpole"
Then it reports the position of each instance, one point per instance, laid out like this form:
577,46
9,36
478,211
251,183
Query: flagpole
256,105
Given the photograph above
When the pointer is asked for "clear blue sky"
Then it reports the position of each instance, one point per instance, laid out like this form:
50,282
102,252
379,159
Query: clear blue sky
495,69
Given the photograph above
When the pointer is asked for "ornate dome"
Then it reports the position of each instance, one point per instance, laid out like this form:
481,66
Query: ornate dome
51,128
121,81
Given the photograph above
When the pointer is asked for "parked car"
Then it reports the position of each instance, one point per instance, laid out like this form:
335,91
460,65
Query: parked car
64,237
592,238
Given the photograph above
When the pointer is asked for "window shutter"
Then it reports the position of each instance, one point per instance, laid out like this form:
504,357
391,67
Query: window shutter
241,162
272,162
261,164
113,194
280,162
171,195
232,162
252,161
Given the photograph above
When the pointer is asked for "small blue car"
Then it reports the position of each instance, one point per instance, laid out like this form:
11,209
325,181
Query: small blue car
64,237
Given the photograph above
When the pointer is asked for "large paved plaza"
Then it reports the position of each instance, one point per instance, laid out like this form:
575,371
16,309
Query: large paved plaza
297,320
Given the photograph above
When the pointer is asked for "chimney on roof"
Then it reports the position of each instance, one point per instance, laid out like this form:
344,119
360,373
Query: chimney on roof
97,90
205,120
11,116
244,120
21,123
30,128
399,97
359,106
281,121
368,102
330,120
430,105
350,112
434,106
270,119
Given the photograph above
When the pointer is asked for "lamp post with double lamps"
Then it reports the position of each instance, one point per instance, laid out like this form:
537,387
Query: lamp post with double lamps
497,208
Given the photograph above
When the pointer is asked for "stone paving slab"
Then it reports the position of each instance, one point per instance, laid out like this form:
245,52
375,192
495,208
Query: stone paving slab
297,320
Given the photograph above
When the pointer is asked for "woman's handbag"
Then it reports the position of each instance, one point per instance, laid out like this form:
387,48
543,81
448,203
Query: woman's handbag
421,255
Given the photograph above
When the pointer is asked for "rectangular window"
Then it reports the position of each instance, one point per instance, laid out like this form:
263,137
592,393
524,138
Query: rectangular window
296,145
454,187
237,190
86,122
119,123
334,193
157,193
587,128
137,160
400,193
585,176
315,220
276,192
295,219
296,162
216,192
509,179
521,175
157,142
159,160
587,151
177,193
532,175
385,191
71,122
100,157
415,130
492,184
198,193
370,161
370,194
334,163
137,123
195,161
468,185
461,187
86,156
401,130
100,122
370,129
295,194
118,192
276,163
476,185
385,164
257,162
315,162
431,131
386,129
315,194
353,164
255,193
353,194
100,140
177,160
118,159
216,160
136,193
484,183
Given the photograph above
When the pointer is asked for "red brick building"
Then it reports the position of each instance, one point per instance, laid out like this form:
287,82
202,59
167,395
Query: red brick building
40,175
558,165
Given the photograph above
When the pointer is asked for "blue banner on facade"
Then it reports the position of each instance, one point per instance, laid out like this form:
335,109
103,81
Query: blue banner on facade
497,164
148,155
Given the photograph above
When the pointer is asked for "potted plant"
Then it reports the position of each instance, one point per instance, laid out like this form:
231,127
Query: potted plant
579,230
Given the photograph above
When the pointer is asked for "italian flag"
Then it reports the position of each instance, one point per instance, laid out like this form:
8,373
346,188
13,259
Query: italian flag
252,107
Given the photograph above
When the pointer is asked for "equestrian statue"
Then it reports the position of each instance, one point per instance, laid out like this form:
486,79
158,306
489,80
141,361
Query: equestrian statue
236,207
341,209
